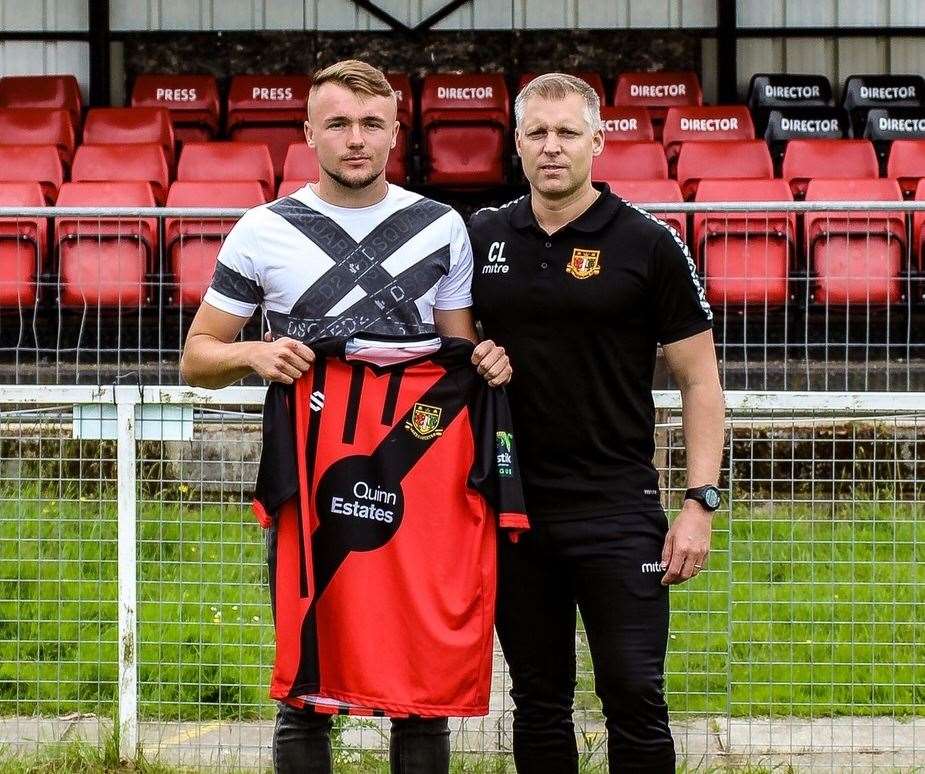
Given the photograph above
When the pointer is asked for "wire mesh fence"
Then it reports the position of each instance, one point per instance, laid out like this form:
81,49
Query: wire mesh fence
802,644
806,295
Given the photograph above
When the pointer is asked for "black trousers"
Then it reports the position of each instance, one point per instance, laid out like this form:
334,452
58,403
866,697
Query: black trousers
302,738
598,566
302,744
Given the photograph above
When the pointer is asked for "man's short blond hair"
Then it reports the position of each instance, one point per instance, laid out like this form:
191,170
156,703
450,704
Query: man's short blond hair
556,86
359,77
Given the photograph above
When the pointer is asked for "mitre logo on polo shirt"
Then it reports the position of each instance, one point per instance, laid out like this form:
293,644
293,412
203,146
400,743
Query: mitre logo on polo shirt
584,263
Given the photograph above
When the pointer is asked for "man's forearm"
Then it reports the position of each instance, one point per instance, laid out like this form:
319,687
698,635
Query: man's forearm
211,363
703,418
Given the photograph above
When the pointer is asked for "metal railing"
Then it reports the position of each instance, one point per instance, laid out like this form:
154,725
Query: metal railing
132,578
787,316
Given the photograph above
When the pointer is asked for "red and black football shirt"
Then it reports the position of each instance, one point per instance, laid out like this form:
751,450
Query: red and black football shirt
387,468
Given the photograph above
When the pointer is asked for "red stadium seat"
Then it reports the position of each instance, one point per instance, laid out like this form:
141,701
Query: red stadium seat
856,257
288,187
42,91
23,246
301,163
731,159
104,261
621,124
39,126
593,79
657,92
654,192
806,159
464,119
628,160
906,163
745,256
233,161
268,109
193,244
32,164
715,123
396,169
191,99
130,126
918,228
111,163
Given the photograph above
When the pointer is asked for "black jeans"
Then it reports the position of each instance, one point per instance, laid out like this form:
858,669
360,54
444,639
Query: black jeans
604,567
302,744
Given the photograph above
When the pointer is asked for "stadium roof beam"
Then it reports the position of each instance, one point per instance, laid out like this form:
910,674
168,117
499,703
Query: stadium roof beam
422,26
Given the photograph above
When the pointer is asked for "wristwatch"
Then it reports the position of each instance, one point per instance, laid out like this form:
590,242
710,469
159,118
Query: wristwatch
708,496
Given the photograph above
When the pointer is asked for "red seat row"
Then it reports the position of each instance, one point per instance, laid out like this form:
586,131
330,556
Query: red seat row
804,160
854,258
105,261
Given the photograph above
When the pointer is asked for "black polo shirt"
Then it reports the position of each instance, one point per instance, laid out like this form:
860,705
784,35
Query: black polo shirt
581,314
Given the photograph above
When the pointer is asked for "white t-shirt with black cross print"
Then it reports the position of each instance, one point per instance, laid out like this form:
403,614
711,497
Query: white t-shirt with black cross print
320,270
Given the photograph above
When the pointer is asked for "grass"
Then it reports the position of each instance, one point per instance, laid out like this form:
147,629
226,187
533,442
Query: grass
806,610
78,757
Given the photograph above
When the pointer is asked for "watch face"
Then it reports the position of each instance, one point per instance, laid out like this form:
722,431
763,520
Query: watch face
711,496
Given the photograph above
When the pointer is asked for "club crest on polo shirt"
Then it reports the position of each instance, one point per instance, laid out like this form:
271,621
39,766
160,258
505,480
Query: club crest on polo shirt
584,263
425,422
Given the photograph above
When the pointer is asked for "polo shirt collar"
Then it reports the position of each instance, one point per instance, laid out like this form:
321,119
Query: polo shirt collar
593,219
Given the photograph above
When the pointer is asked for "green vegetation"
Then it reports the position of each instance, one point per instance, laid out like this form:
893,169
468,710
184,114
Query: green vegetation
807,609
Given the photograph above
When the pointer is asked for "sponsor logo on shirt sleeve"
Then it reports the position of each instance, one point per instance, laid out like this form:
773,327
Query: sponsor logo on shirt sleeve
504,442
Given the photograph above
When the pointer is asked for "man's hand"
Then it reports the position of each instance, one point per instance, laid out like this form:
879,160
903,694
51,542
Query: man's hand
491,363
687,544
283,360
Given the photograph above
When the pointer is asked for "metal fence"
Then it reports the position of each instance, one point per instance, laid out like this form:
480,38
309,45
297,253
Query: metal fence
133,588
806,295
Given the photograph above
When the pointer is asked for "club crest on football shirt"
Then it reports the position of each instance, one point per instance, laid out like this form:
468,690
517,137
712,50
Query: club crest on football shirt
584,263
425,422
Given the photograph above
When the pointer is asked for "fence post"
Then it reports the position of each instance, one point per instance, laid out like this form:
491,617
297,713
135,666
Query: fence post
128,562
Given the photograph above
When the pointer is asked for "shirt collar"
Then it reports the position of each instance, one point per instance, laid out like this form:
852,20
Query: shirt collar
592,219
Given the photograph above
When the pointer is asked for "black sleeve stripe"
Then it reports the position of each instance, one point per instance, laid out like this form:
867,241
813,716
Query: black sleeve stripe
236,286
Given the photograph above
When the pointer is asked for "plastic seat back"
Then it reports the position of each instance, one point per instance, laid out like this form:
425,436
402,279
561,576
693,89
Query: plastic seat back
191,99
39,126
268,109
630,160
33,163
715,123
235,161
745,256
23,246
732,159
622,124
105,261
102,163
465,119
193,243
807,159
906,163
130,126
653,192
856,256
43,91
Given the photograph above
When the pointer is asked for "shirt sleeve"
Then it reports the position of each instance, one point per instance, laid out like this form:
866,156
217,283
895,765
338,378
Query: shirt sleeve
496,471
277,474
681,308
235,287
455,289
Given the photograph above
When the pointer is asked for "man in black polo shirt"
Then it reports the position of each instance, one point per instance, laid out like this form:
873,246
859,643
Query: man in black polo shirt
580,288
